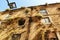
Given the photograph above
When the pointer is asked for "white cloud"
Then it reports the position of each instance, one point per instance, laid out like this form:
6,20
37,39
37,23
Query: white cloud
39,2
50,1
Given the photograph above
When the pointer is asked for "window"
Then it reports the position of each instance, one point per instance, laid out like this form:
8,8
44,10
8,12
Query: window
12,5
16,36
45,20
43,11
58,8
21,22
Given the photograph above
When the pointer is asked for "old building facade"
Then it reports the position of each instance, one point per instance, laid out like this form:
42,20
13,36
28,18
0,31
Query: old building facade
31,23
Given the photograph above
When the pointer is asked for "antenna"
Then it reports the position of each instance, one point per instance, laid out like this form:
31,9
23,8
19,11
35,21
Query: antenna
11,5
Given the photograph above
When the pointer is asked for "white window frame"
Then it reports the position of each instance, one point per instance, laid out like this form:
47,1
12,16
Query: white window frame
46,20
43,11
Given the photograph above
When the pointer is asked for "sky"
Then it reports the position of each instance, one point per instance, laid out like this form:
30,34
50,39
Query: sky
25,3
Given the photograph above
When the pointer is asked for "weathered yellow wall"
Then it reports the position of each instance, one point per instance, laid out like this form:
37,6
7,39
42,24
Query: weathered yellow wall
34,30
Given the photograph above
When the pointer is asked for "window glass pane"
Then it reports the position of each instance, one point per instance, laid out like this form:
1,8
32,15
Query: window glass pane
12,5
44,12
45,21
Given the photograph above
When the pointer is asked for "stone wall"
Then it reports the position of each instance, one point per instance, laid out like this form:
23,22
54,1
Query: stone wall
26,23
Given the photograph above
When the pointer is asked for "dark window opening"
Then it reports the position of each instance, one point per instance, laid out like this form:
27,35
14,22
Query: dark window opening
31,8
58,9
48,35
16,36
21,21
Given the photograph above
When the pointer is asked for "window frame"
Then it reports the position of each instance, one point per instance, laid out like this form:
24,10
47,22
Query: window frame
48,21
43,11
